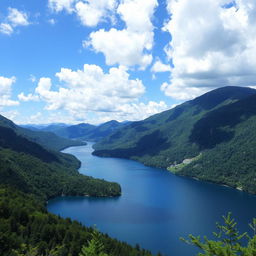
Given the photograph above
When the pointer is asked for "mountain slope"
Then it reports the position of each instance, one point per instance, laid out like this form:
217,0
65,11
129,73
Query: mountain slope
86,131
219,121
32,168
31,174
46,139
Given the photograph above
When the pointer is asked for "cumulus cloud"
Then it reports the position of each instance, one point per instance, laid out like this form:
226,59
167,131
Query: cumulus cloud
159,66
110,95
29,97
132,45
128,46
14,19
90,12
17,18
213,46
60,5
5,92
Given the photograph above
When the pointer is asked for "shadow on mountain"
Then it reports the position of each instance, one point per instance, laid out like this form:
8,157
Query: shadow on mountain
10,140
148,145
218,125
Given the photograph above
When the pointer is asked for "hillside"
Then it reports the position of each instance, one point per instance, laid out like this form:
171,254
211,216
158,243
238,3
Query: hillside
46,139
214,134
32,168
31,174
85,131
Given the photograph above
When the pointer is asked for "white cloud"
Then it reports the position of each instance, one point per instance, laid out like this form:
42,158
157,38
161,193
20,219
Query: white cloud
133,44
111,95
212,47
11,114
52,21
129,46
14,19
29,97
5,91
93,11
90,12
60,5
17,18
160,67
6,28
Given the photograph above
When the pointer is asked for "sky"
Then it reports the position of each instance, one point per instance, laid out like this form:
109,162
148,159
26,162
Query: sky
74,61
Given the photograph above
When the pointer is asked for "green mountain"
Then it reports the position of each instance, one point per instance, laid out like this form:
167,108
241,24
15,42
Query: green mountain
31,174
45,139
212,137
32,168
85,131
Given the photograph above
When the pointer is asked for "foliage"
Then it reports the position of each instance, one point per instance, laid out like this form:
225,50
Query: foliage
86,131
95,246
45,139
221,125
228,241
27,229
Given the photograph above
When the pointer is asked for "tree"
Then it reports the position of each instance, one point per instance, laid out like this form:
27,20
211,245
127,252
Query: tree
95,246
228,240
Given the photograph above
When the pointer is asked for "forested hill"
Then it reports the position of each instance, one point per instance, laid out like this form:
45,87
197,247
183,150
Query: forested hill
215,134
46,139
85,131
31,168
31,174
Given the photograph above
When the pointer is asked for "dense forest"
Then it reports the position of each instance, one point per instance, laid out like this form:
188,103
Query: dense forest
31,174
26,228
45,139
219,126
84,131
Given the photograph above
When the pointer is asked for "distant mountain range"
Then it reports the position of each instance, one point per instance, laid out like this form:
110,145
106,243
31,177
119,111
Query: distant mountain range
81,131
45,139
212,137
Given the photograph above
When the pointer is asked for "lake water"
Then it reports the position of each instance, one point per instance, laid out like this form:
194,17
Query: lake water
156,207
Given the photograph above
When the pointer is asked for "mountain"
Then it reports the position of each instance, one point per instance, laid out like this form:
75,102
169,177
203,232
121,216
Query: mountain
45,139
31,174
212,137
46,173
50,127
86,131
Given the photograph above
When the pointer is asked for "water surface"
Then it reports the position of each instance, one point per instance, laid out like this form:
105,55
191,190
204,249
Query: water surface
156,207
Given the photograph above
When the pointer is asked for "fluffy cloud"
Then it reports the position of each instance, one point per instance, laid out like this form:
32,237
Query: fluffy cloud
160,67
111,95
29,97
14,19
60,5
90,12
6,28
17,18
214,46
5,92
131,45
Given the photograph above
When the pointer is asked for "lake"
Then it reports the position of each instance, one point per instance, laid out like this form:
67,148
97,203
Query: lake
156,207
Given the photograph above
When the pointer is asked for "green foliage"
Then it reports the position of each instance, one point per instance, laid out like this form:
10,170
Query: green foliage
86,131
31,168
46,139
27,229
221,125
95,246
228,240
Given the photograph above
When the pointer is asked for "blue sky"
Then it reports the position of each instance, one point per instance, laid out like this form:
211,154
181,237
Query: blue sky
92,61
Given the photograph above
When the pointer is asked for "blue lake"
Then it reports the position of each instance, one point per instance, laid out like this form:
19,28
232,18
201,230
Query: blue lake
156,207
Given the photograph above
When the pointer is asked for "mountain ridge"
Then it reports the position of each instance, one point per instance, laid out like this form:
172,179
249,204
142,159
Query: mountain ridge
210,121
